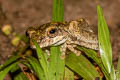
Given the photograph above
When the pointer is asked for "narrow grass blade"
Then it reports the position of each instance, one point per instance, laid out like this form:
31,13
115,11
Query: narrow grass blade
42,60
69,75
6,70
37,68
82,66
9,61
94,56
104,43
56,64
53,62
58,11
104,40
60,64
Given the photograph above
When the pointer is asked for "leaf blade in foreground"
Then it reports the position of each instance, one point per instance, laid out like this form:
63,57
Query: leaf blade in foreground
93,55
6,70
37,67
82,66
104,43
42,60
58,11
9,61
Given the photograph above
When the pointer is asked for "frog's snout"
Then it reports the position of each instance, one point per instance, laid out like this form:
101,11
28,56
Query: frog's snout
30,31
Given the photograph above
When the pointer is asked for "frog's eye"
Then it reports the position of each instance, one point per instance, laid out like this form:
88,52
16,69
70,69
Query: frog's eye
52,32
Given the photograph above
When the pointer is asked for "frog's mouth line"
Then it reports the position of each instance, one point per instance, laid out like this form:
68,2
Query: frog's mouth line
60,42
54,44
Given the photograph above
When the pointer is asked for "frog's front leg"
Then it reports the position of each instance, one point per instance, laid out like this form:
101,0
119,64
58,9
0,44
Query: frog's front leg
71,46
72,49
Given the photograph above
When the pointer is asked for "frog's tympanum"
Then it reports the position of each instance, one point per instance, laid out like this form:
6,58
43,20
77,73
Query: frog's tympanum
67,34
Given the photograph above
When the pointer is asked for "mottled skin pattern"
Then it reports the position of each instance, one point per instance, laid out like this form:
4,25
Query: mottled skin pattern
67,34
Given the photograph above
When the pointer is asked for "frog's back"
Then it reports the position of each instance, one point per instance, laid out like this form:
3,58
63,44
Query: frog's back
84,35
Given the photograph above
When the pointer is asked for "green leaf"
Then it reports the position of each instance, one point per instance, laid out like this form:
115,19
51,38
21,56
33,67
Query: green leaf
37,68
9,61
56,64
58,11
104,40
69,75
82,66
104,43
95,57
6,70
42,60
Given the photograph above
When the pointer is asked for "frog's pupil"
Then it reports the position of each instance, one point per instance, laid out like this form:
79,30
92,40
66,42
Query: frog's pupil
52,31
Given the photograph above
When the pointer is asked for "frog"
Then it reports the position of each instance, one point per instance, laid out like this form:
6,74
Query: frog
68,35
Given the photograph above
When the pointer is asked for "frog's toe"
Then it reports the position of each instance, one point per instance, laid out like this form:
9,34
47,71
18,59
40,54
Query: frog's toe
62,56
78,53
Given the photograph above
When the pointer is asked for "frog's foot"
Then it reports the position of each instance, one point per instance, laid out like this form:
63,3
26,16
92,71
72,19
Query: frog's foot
62,56
72,48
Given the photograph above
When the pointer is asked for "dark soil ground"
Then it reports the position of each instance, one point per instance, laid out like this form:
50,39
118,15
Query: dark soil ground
21,14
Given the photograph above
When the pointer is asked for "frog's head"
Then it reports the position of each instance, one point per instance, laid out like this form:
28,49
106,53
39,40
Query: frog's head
50,34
